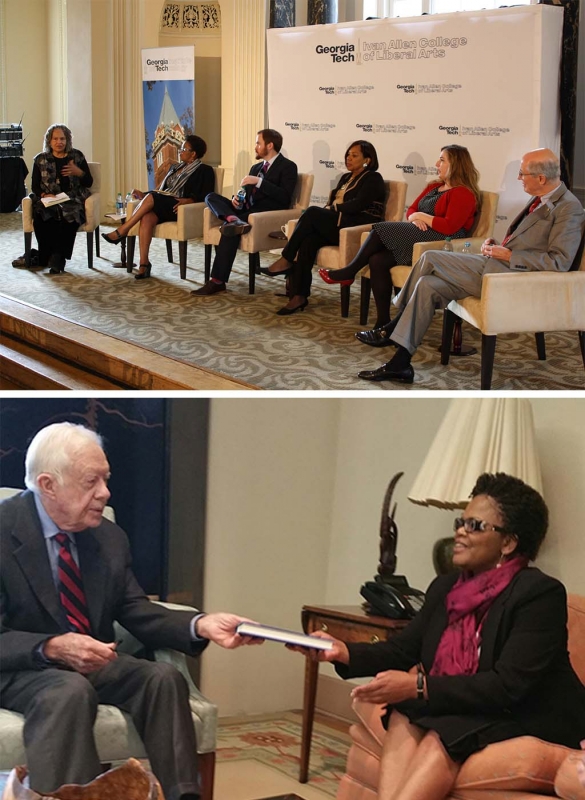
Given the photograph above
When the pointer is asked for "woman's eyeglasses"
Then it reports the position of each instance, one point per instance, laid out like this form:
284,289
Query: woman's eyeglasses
471,525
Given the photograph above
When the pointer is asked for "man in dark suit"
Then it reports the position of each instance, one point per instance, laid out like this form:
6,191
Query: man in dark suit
269,186
544,236
66,575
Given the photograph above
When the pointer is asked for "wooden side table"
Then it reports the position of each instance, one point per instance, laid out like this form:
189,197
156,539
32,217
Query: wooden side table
350,624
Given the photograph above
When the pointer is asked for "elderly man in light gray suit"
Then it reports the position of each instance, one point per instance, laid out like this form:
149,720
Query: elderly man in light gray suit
545,236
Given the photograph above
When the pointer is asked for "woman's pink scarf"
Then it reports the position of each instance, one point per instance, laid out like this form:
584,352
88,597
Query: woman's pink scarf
467,605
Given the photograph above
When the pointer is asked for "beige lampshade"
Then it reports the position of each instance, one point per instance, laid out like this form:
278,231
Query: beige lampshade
476,436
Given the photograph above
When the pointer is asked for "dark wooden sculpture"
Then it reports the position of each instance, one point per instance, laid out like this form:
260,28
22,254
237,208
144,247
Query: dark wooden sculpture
388,535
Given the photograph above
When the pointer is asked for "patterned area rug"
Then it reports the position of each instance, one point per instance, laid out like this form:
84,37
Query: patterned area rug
240,335
277,743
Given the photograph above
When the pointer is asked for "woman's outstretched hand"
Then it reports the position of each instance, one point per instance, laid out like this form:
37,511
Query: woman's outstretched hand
338,652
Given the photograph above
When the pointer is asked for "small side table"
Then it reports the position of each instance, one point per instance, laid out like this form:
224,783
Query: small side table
350,624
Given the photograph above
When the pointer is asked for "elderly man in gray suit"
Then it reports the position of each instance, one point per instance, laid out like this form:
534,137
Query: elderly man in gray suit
65,576
545,236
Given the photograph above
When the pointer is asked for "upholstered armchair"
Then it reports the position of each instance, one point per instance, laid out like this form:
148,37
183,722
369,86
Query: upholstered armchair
263,224
92,217
521,302
482,229
525,768
189,225
116,737
337,257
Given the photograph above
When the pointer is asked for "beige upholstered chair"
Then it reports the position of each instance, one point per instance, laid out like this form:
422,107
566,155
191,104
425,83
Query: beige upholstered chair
524,768
263,223
332,257
189,225
483,228
521,302
116,737
92,217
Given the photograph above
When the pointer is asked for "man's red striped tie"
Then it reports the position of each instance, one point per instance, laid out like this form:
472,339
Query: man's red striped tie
71,591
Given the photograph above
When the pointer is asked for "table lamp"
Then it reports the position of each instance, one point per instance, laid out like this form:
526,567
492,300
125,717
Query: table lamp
476,436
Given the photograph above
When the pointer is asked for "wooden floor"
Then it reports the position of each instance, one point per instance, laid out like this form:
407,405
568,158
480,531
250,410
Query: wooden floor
40,350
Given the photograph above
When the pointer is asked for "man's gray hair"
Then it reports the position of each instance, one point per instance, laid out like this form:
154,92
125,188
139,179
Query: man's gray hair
53,449
550,168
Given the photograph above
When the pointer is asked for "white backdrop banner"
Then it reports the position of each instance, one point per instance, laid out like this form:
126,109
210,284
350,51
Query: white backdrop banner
487,80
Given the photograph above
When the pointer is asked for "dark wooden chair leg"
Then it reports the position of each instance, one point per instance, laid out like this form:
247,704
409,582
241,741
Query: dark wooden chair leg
488,351
344,291
366,288
169,244
90,249
540,346
207,774
207,262
182,259
449,320
97,241
581,335
253,269
130,246
27,246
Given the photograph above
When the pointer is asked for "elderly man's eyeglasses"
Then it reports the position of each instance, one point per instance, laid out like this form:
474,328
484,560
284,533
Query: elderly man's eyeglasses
471,525
525,174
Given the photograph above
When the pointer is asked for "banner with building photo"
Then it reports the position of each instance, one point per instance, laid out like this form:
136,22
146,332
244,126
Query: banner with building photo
484,79
168,92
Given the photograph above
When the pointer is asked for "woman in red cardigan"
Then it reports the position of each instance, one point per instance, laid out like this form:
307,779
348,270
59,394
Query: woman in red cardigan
446,207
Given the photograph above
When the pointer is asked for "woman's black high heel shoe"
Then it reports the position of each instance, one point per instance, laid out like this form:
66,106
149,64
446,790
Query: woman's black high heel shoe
117,240
144,272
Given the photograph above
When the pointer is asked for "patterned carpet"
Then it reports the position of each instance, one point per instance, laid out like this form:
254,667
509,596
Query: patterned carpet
277,743
239,334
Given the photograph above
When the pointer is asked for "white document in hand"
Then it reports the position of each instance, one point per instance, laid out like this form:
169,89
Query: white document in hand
53,201
282,635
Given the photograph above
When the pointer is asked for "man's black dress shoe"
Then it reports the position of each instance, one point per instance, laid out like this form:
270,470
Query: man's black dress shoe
236,228
209,288
378,337
388,373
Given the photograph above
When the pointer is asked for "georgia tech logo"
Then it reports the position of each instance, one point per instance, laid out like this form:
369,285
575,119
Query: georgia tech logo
294,126
407,169
327,164
407,89
367,128
452,130
338,52
327,89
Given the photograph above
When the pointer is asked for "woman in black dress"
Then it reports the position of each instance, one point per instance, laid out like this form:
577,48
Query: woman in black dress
189,181
358,199
486,658
58,168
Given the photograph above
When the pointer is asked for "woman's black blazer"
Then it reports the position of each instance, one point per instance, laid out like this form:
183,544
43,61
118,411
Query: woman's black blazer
524,669
362,204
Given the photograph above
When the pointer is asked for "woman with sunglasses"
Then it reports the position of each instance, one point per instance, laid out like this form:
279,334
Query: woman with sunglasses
486,658
189,181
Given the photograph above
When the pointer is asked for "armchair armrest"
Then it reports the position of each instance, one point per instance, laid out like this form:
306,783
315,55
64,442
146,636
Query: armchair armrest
533,302
350,240
92,212
263,223
421,247
27,215
190,221
204,712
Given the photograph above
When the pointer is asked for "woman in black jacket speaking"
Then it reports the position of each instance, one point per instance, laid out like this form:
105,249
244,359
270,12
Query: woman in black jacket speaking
358,199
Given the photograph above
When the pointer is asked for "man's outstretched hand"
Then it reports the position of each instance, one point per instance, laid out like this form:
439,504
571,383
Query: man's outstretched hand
221,629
